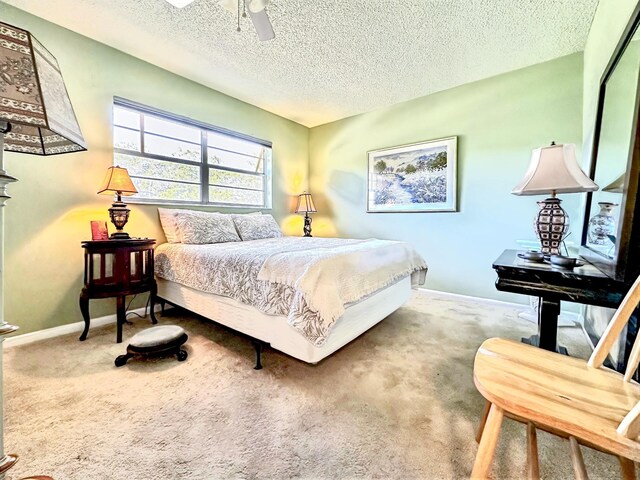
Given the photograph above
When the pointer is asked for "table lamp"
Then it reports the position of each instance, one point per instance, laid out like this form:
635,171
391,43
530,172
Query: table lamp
36,117
553,169
118,182
306,206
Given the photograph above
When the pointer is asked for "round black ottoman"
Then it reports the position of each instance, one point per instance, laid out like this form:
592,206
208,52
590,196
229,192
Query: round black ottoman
161,340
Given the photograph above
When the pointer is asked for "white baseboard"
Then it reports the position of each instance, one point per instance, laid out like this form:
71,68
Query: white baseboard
39,335
490,301
566,318
67,329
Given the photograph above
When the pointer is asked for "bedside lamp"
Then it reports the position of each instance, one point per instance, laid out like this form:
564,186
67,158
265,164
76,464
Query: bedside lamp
118,182
306,206
553,169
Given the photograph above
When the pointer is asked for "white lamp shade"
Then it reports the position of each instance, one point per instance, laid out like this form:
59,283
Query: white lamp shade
305,204
256,6
554,169
617,186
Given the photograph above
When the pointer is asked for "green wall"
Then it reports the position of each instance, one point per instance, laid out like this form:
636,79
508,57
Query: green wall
498,121
55,199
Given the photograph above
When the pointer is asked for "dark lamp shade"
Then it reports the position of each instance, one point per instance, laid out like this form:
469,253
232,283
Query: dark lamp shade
34,98
118,181
305,204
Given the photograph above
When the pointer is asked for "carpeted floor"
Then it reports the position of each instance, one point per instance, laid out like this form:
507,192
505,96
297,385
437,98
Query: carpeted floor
399,402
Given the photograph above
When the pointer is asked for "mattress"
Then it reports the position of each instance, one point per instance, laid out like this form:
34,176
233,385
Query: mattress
310,281
275,329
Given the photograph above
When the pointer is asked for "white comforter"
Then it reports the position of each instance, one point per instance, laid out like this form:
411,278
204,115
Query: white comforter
309,280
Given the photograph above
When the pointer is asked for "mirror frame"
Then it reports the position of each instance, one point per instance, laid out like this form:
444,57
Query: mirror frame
625,266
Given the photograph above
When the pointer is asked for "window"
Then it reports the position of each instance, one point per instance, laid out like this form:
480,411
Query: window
172,159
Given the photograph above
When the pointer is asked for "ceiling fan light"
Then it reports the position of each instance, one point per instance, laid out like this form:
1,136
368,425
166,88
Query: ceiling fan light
180,3
230,5
256,6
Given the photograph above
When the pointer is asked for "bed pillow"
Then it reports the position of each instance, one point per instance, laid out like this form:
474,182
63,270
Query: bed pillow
204,227
256,227
168,222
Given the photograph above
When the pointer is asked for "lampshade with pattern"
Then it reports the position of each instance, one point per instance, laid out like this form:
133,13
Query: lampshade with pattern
34,98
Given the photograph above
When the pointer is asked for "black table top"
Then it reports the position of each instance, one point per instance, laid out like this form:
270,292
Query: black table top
510,260
119,242
584,284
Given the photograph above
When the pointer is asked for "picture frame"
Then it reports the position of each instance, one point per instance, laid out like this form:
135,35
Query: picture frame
99,230
418,177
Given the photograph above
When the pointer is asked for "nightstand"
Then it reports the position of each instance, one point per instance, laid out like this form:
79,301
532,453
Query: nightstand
116,268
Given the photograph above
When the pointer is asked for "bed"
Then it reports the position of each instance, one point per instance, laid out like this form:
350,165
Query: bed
306,297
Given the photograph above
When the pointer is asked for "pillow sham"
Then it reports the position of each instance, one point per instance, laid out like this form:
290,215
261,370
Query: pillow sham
168,222
204,227
170,227
256,227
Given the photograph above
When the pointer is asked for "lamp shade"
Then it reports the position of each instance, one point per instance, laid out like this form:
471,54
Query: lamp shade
305,204
554,169
617,186
118,181
33,98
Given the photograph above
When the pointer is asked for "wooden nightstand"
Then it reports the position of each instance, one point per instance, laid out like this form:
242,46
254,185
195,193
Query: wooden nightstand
116,268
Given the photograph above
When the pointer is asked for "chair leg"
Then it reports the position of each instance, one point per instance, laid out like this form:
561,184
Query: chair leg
488,443
483,420
579,469
628,468
533,468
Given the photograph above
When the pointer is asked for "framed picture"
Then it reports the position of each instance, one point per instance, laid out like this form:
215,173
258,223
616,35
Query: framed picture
413,178
99,230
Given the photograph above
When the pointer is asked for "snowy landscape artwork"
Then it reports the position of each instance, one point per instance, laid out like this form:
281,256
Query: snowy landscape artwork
413,178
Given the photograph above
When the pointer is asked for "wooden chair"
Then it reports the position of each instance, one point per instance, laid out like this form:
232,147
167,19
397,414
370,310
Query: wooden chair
581,401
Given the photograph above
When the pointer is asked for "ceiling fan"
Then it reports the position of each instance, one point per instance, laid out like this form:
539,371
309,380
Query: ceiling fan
257,13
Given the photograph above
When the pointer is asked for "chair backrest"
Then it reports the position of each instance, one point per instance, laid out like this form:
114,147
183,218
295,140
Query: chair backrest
630,425
613,330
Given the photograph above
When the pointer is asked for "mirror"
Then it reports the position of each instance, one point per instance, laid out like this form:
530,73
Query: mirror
614,151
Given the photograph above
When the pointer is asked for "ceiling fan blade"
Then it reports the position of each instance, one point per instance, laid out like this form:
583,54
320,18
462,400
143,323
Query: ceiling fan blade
256,6
263,25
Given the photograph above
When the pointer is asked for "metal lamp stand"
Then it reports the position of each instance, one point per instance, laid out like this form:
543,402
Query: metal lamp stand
6,461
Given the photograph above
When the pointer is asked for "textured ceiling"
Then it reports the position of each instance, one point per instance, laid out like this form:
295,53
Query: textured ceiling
332,58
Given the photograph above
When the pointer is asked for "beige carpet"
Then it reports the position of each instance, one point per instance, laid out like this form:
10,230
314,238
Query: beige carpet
398,402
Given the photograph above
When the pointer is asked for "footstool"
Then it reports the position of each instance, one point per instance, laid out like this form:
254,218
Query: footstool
159,340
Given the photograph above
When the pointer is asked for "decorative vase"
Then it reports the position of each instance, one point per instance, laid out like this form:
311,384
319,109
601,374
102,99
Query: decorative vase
602,225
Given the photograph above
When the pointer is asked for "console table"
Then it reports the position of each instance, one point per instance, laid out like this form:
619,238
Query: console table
117,268
586,284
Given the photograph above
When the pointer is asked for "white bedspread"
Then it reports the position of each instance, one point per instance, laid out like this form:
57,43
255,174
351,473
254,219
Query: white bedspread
308,280
334,276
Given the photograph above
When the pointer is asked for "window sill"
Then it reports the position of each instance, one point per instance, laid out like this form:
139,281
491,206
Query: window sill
174,203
